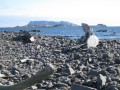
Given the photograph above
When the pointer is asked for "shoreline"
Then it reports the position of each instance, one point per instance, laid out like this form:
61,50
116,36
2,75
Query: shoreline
68,37
74,66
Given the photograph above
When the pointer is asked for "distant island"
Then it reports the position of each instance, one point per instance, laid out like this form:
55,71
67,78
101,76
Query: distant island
50,24
102,25
45,24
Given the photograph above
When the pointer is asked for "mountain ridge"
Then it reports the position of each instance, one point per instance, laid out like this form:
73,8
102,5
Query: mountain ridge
50,24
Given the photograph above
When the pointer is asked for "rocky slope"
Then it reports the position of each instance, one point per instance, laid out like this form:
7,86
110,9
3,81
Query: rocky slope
76,68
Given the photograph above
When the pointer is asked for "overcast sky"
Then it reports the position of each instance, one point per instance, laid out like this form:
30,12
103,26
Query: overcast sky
20,12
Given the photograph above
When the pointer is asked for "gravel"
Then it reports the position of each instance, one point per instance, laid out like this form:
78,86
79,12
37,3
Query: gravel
90,68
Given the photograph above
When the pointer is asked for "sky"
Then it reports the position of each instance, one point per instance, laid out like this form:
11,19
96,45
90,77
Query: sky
92,12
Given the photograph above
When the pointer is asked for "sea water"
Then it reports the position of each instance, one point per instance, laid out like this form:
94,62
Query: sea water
72,32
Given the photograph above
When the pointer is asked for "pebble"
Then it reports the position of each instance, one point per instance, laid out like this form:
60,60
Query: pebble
34,87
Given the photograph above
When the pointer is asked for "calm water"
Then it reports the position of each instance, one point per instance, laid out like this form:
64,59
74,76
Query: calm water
73,32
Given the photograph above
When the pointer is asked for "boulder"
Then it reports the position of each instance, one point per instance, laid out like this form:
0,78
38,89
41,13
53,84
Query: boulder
25,37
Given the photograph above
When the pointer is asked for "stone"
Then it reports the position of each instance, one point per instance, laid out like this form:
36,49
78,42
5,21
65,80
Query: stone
101,81
26,59
1,66
116,78
75,79
2,75
69,70
25,76
117,60
118,70
24,36
82,67
60,84
6,73
118,86
11,83
112,69
90,83
112,87
93,72
15,71
32,39
103,72
34,87
107,55
77,56
50,85
81,87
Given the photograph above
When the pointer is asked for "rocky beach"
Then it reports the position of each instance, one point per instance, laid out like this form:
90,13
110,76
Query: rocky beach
77,68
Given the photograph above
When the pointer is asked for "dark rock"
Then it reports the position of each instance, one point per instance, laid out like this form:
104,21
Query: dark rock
77,56
59,70
103,72
115,78
15,71
102,31
90,83
25,76
112,70
24,36
34,30
91,51
107,55
1,66
60,84
81,87
93,72
112,83
118,86
66,50
112,87
117,60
